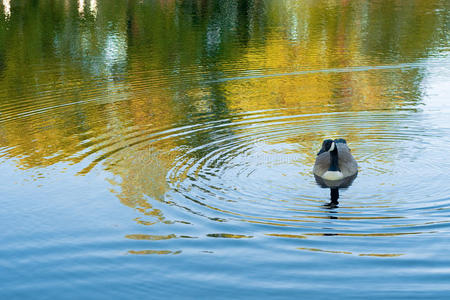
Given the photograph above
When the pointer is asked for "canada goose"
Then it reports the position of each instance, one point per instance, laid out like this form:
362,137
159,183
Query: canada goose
334,162
335,168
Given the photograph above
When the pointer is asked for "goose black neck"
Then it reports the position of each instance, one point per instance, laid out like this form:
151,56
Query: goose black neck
334,165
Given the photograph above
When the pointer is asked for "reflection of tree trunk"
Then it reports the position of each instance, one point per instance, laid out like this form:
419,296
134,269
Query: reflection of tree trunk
131,24
244,22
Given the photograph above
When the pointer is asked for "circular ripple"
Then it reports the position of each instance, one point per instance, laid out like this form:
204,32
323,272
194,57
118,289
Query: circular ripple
256,168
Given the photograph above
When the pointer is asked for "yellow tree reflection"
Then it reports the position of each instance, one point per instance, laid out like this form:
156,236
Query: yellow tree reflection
98,91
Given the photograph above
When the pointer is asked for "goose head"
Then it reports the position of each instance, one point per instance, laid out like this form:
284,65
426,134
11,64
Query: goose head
328,145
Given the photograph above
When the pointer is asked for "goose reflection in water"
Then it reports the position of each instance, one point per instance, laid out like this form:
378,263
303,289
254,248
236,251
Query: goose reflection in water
335,168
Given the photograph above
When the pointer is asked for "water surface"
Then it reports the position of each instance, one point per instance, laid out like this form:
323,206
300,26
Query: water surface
164,149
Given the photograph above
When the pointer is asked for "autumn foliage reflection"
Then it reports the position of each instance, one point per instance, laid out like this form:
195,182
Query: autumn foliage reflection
102,83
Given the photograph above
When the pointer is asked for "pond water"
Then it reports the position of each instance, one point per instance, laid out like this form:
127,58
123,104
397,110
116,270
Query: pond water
164,149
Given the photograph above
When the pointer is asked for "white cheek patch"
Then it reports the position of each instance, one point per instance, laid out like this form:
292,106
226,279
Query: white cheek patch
332,147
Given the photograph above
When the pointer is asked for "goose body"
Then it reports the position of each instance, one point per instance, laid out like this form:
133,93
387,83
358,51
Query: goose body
334,162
